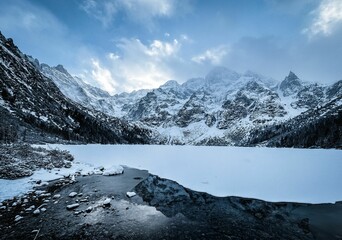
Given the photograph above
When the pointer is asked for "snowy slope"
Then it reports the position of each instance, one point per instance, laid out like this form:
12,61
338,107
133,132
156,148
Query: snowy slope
77,90
33,109
224,107
89,96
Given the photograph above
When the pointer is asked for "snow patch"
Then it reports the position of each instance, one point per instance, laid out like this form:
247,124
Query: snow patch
113,170
130,194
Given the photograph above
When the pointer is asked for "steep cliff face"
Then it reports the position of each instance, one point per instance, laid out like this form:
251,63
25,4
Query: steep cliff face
318,127
33,109
291,85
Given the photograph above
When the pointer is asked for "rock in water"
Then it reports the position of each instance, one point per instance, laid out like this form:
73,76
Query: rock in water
89,209
106,202
56,196
72,206
73,194
36,212
18,218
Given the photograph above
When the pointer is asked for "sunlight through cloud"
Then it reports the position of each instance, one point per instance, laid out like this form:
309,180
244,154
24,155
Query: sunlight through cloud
329,16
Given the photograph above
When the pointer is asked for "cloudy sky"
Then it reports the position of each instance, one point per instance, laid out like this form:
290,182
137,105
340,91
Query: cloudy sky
123,45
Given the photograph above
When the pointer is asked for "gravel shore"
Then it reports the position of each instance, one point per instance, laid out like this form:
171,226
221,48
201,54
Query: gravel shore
137,205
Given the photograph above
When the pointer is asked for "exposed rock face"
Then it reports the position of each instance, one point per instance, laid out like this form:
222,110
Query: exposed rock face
62,69
192,111
210,120
317,127
334,90
21,160
234,112
238,218
309,96
290,85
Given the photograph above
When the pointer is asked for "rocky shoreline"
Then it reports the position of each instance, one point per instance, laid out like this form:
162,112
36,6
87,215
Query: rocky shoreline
21,160
106,207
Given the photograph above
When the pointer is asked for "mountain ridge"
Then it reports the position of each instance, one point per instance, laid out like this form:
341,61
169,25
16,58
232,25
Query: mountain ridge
223,108
34,109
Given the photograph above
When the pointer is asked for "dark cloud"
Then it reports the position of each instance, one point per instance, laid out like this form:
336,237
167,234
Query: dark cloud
320,58
316,60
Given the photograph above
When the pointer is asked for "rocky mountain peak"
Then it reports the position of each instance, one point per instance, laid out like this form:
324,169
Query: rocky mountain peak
170,84
2,37
291,84
61,69
9,44
335,91
292,75
34,61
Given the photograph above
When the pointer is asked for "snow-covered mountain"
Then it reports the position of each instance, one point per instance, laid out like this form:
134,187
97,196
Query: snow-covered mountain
222,108
88,96
33,109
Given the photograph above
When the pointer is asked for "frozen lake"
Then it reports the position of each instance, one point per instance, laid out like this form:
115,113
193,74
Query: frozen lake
301,175
298,175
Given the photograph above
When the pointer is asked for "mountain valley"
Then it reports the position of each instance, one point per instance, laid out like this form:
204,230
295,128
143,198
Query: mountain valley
223,108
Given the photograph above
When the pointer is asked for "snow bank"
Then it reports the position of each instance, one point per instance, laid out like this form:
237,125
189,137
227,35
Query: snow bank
113,170
131,194
11,188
